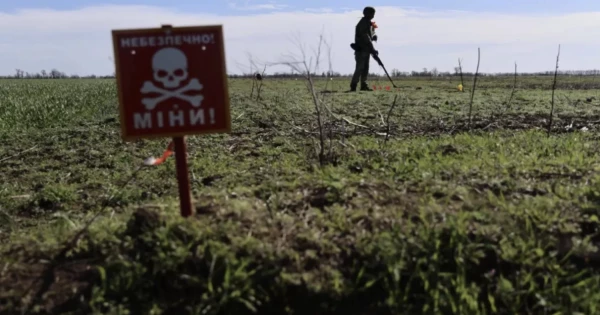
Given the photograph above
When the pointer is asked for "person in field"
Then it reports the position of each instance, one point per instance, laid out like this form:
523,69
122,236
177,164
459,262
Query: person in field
363,43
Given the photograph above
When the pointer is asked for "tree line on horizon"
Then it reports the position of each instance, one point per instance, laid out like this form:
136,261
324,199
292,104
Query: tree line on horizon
56,74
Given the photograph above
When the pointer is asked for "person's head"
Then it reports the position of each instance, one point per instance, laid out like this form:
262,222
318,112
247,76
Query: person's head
369,12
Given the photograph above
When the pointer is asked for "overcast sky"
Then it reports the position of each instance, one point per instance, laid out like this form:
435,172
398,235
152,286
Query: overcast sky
74,36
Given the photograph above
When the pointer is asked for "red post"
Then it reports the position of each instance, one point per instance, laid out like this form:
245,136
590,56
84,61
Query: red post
183,179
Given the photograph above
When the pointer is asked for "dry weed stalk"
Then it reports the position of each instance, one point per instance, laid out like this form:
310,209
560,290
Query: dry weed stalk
252,70
18,154
553,89
383,145
512,93
306,68
387,123
258,83
462,83
299,62
474,86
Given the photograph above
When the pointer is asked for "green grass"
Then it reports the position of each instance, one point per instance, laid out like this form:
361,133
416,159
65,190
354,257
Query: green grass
439,219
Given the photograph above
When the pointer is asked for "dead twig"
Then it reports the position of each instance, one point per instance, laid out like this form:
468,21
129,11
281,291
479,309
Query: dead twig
387,122
381,116
238,117
347,144
257,78
18,154
512,93
474,86
553,89
301,65
303,130
259,83
462,83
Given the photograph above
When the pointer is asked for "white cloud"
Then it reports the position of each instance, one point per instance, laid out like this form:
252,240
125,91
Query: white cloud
319,10
256,7
79,41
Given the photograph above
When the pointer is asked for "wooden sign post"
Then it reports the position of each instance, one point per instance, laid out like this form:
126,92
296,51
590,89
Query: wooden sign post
172,82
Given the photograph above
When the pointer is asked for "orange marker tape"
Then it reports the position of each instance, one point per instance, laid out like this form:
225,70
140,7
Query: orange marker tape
152,161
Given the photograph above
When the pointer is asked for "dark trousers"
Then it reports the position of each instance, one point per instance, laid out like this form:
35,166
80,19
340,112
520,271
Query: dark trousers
361,72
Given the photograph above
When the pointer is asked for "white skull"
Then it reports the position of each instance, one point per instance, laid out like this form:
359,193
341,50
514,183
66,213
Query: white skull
170,67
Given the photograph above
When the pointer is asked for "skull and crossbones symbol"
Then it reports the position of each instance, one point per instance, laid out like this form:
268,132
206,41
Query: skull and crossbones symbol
170,67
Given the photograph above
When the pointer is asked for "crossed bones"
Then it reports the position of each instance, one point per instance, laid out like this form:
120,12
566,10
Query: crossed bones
193,85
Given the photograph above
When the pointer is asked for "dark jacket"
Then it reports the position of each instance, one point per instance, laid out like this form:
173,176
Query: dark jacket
363,35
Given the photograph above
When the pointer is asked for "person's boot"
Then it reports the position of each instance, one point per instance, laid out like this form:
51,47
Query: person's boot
352,87
365,87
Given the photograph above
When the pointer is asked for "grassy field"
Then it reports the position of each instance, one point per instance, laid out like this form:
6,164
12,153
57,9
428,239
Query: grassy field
408,210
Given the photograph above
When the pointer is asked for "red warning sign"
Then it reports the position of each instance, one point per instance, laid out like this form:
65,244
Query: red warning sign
172,81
